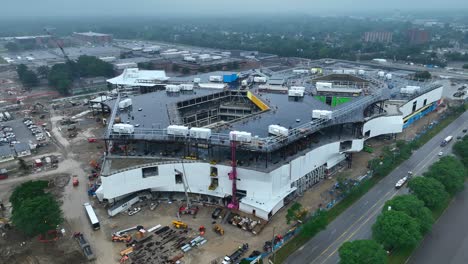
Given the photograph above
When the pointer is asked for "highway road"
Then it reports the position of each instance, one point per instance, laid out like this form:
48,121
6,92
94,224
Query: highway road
356,222
448,240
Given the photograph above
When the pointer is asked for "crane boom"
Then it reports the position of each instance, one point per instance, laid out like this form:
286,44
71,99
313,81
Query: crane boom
58,45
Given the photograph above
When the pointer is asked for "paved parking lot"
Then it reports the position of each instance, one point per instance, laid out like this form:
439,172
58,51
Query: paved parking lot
23,134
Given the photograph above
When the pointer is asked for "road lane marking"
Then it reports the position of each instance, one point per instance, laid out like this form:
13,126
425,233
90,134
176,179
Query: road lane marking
360,226
352,225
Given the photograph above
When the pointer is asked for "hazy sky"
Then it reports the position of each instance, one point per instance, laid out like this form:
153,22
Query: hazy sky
196,7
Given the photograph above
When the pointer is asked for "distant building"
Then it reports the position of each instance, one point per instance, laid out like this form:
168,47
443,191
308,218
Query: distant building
418,36
22,150
6,154
378,36
93,37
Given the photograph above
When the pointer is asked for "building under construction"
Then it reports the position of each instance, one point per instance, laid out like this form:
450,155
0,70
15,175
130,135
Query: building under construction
251,149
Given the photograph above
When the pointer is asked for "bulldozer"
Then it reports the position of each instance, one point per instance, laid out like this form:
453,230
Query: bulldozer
179,224
218,229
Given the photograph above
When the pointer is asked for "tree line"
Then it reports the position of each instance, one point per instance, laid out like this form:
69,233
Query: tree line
405,219
62,76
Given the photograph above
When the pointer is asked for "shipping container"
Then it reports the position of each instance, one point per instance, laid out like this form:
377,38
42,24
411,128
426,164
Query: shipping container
171,88
322,114
278,130
216,78
229,78
186,87
123,129
260,79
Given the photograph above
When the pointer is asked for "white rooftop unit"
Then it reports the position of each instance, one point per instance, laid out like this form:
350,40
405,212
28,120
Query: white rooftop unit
361,72
121,66
323,85
216,78
381,74
125,103
123,128
212,85
177,130
240,136
349,71
201,133
196,80
388,76
260,79
338,71
410,89
216,57
108,59
278,130
171,50
189,59
297,91
380,60
171,88
300,71
186,87
226,53
322,114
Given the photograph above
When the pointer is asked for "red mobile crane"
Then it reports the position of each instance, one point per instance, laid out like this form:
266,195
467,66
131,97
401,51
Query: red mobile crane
233,176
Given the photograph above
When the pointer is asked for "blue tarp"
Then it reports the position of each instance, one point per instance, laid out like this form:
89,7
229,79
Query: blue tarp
229,78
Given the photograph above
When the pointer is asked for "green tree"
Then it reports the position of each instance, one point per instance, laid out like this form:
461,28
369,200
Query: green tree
29,79
362,252
461,150
412,206
12,47
21,70
318,222
37,215
43,71
90,66
422,75
428,190
175,67
450,172
26,191
23,165
295,212
394,229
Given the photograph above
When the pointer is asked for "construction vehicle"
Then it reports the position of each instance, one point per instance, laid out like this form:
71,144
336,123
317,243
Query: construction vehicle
202,230
188,208
122,238
75,181
218,229
179,224
126,251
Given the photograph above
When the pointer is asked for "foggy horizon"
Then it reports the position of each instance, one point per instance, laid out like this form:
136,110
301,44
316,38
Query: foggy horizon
148,8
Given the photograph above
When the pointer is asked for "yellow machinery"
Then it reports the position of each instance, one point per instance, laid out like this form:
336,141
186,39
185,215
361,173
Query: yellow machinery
218,229
179,224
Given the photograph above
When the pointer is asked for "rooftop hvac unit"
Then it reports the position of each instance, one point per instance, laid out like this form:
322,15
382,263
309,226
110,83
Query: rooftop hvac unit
177,130
381,74
197,80
172,88
300,71
388,76
186,87
323,85
322,114
125,103
361,72
410,89
216,78
123,129
278,130
240,136
349,71
296,93
338,71
201,133
260,79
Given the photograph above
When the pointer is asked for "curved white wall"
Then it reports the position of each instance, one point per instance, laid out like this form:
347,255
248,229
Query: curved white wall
383,125
430,97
